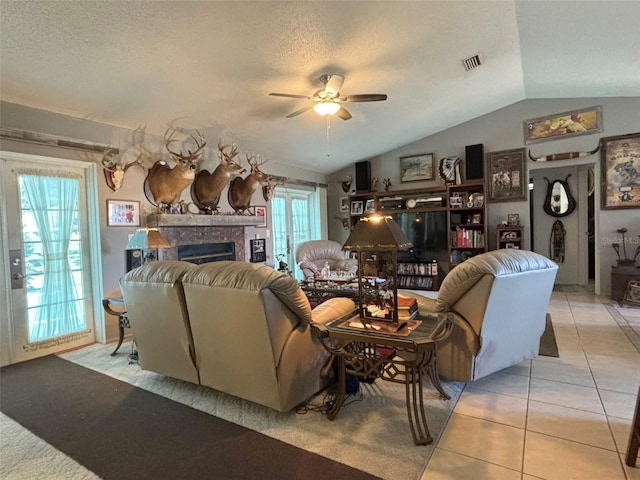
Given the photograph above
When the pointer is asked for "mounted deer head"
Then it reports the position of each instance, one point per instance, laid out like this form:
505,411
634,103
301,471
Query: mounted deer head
241,189
164,185
269,189
206,189
114,170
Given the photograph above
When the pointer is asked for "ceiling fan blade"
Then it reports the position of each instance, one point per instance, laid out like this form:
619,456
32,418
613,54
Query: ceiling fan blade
290,95
298,112
334,84
365,97
343,113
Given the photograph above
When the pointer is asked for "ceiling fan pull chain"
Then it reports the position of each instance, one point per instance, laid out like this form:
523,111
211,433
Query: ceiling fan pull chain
328,117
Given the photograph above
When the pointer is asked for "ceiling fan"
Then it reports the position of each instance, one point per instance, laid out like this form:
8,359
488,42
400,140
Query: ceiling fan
328,101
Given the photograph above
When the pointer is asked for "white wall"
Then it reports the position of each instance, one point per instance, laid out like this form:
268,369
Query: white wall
504,130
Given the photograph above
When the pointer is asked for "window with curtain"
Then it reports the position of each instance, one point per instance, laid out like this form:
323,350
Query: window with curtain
295,218
53,255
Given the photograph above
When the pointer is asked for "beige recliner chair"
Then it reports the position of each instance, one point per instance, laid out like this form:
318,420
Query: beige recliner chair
158,318
237,327
499,300
311,256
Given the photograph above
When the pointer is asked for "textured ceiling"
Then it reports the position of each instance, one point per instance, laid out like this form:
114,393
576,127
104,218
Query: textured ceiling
212,65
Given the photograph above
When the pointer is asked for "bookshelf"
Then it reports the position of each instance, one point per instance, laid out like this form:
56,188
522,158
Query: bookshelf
466,221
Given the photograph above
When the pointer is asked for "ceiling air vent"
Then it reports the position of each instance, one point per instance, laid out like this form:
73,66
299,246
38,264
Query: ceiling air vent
472,62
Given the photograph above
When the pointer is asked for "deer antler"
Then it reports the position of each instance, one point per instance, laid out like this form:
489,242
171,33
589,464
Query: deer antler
253,160
228,156
190,156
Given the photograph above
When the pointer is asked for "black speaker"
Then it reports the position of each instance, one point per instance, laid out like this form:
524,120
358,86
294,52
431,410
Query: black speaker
363,176
474,162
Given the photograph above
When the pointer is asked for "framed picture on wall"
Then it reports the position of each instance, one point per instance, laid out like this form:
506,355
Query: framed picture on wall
356,207
261,212
507,175
563,125
620,167
344,204
123,213
415,168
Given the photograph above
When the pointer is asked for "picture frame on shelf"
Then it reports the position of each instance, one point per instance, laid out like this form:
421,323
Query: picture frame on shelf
416,168
509,245
476,219
356,207
476,200
620,167
261,212
123,213
563,125
370,206
513,219
507,175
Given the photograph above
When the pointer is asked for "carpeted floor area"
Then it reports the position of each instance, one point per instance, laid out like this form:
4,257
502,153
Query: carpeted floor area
119,431
371,433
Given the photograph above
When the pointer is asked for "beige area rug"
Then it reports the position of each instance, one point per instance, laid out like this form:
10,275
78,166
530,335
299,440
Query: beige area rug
371,433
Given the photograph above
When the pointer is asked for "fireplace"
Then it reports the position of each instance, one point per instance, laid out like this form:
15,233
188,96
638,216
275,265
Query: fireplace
207,252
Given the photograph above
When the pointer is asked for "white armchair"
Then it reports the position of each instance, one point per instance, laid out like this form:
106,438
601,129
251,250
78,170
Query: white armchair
312,255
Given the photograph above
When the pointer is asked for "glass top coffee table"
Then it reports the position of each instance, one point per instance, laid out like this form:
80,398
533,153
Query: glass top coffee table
403,357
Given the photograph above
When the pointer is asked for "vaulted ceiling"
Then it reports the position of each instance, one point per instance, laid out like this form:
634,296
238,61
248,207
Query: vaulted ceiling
211,65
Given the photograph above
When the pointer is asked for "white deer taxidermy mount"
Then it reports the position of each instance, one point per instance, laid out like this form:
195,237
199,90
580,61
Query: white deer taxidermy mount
114,170
164,184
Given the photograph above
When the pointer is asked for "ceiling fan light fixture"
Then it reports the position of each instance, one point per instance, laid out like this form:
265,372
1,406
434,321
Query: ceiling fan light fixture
326,108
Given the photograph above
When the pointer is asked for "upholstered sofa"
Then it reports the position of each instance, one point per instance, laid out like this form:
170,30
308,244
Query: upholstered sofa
312,255
237,327
499,301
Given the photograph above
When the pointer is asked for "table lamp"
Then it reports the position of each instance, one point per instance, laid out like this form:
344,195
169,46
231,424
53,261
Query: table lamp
143,247
378,237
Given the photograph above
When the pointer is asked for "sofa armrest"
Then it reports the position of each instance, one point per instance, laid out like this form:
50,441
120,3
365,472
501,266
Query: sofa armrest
309,265
332,309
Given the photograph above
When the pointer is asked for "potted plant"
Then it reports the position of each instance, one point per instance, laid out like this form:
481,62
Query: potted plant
626,261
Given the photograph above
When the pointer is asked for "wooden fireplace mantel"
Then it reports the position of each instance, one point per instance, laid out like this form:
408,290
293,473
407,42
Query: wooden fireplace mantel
194,220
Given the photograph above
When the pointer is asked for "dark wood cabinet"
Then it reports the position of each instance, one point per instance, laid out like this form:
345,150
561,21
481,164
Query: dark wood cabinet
510,236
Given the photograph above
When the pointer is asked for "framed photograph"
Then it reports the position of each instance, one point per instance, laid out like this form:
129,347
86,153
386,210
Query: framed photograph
507,175
356,207
123,213
563,125
261,211
476,200
344,204
513,219
416,168
369,207
509,245
476,218
620,167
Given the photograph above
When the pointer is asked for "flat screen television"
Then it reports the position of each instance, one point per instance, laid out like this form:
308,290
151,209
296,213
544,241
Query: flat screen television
427,231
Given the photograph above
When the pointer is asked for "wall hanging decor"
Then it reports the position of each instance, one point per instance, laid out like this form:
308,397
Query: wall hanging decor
415,168
123,213
620,167
559,202
562,156
449,170
556,242
562,125
507,175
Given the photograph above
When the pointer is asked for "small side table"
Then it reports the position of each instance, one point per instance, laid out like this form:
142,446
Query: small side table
121,313
362,353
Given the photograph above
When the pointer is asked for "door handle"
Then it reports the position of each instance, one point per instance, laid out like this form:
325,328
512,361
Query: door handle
18,276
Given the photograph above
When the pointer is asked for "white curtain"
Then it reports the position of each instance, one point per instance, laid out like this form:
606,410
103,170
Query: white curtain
53,202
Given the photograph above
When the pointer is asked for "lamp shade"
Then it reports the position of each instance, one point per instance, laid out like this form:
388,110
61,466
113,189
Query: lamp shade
145,238
326,107
377,232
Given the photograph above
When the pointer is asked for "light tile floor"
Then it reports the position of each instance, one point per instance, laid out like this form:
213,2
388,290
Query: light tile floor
552,418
